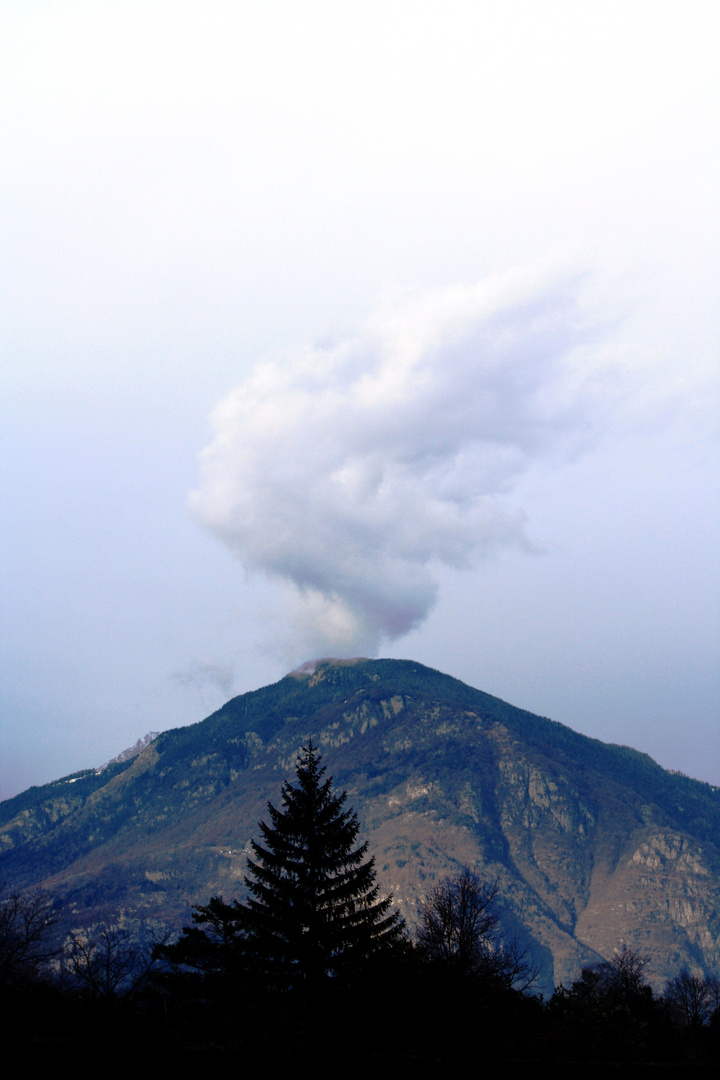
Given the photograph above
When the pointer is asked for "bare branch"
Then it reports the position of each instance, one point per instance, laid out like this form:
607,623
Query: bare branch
27,941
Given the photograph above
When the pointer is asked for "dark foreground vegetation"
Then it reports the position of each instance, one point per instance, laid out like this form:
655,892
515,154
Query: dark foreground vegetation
315,962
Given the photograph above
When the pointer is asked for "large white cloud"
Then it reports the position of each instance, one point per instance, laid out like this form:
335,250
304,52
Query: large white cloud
351,471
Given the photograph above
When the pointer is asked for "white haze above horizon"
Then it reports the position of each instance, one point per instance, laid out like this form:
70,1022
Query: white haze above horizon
346,329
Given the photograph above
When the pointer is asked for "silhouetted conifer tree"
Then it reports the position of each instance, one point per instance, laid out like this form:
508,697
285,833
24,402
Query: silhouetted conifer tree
314,907
217,945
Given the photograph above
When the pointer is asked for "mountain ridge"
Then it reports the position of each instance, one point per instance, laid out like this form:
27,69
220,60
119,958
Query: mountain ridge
593,845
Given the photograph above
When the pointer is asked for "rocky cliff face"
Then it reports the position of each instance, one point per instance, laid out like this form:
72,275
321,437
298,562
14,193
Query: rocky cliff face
592,846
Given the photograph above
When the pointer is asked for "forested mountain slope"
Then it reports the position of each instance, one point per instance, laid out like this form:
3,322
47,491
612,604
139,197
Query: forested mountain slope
593,846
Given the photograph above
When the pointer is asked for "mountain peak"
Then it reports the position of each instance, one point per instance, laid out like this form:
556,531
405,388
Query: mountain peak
306,670
592,846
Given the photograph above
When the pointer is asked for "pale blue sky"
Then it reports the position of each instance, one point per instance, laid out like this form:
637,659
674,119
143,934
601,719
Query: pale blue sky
433,287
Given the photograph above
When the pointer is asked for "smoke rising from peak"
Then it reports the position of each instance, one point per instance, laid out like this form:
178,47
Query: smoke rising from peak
352,472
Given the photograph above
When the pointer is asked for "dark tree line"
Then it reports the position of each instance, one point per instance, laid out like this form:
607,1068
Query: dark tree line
315,948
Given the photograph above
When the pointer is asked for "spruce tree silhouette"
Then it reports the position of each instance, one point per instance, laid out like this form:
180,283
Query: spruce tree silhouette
314,908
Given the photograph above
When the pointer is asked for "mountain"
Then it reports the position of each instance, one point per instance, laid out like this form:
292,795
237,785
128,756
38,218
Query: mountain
592,846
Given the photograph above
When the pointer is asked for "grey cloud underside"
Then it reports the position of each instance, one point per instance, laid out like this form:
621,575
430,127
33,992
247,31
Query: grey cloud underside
351,472
199,674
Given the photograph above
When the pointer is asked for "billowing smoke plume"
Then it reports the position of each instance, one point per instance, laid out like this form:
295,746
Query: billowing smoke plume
353,471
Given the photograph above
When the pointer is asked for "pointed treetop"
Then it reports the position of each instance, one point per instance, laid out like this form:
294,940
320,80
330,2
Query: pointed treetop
314,906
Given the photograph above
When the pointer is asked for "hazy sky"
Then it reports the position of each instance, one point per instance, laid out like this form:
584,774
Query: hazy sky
358,328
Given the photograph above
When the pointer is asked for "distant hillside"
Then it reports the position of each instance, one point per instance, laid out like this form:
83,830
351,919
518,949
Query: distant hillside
593,846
